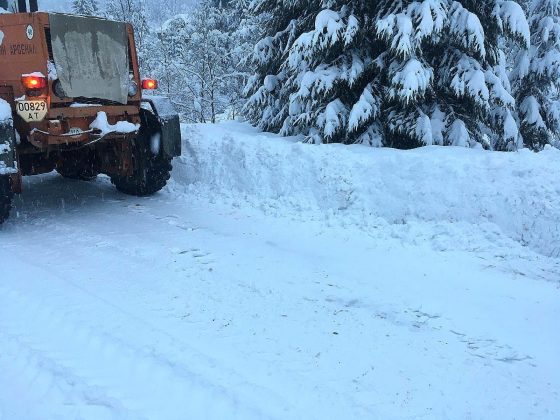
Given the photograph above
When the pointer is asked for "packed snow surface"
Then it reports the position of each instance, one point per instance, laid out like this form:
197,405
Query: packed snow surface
278,280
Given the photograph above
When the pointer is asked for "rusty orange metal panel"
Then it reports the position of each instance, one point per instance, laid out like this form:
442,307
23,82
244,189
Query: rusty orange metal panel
23,49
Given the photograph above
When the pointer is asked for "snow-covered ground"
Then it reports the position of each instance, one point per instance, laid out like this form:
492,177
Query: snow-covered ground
273,279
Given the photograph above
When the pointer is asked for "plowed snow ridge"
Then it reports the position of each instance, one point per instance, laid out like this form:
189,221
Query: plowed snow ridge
517,192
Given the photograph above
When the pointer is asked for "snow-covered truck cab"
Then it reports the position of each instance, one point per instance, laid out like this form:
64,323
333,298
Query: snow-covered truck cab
71,99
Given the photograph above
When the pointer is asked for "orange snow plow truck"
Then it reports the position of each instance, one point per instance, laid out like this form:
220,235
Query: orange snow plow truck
72,100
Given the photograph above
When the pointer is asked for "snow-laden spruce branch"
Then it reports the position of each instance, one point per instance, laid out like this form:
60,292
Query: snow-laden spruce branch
403,73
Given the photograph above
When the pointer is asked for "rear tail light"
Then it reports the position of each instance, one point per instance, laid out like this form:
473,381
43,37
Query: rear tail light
33,81
149,84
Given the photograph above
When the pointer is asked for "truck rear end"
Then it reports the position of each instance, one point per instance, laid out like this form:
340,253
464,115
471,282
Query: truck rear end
74,87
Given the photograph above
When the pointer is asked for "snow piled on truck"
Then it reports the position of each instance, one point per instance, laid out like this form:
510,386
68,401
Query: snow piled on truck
5,146
5,110
101,123
515,194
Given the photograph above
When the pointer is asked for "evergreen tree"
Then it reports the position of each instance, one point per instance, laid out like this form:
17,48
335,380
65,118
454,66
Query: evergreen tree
85,7
203,66
222,3
315,71
134,12
536,77
446,74
401,73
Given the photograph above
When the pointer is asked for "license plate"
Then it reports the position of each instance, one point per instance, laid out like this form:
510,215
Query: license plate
32,111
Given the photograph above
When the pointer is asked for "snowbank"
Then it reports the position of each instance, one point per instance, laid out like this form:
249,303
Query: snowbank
517,192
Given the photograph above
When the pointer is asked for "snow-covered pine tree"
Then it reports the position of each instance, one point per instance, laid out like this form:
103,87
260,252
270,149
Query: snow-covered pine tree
536,77
222,3
403,73
202,67
446,74
134,12
315,71
85,7
159,11
244,30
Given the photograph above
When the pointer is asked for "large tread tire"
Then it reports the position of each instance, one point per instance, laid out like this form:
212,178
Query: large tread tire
6,197
151,172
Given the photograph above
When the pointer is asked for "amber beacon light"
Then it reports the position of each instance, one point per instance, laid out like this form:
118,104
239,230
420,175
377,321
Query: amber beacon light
32,82
149,84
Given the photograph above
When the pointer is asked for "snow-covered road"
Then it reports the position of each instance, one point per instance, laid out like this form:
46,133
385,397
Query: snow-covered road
181,307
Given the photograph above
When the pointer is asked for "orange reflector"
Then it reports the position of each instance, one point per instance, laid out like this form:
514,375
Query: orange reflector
149,84
34,82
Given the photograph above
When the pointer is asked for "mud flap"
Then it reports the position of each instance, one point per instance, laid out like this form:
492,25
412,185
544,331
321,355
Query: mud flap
8,163
163,114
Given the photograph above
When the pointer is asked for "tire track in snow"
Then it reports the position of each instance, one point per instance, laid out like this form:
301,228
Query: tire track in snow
200,261
44,378
49,350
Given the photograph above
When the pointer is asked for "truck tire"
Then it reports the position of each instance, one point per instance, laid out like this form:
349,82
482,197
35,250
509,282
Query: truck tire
151,170
6,196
